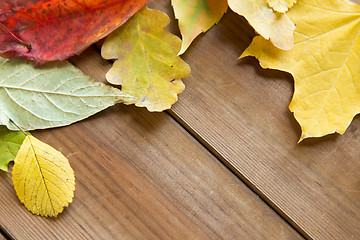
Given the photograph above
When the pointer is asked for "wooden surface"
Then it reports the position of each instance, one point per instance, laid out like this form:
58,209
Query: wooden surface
239,111
142,175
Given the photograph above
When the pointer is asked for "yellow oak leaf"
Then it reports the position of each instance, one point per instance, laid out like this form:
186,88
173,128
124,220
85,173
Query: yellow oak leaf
324,63
276,27
197,16
147,64
281,5
43,178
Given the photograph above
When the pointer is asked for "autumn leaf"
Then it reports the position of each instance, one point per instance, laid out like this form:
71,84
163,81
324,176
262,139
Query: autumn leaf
10,142
147,64
281,5
52,95
43,178
276,27
197,16
48,30
324,62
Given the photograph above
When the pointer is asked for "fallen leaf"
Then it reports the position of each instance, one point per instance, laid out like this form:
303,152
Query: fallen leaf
10,142
281,5
324,62
48,30
43,178
196,17
53,95
276,27
147,64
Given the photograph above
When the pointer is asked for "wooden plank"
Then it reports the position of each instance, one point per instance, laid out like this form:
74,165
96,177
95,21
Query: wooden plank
239,111
140,175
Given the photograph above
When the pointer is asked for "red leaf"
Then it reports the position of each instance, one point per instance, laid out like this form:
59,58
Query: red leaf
48,30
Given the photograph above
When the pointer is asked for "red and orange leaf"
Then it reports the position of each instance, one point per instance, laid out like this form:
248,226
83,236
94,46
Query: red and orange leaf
48,30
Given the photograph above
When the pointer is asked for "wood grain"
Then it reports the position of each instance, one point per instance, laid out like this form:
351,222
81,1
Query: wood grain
239,111
140,175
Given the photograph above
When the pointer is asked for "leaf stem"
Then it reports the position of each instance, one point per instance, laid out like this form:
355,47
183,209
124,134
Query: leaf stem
18,127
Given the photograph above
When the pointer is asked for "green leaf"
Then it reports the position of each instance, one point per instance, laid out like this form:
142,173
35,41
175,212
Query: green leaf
197,16
10,143
53,95
147,64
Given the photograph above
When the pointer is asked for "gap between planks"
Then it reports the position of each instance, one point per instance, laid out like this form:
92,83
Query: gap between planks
239,111
94,50
4,235
97,47
285,181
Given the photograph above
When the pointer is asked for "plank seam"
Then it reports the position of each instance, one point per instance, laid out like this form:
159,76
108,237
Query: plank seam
237,174
223,161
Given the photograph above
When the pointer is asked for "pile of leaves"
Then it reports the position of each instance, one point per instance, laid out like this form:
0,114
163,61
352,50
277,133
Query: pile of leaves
316,41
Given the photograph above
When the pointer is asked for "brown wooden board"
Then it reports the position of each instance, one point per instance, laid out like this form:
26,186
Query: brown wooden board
140,175
240,112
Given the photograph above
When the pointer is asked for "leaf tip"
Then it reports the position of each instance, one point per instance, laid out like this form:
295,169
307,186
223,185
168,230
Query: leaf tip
182,50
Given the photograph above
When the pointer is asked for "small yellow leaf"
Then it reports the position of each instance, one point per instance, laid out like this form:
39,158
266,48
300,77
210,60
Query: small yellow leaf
273,26
281,5
147,64
43,178
324,62
197,16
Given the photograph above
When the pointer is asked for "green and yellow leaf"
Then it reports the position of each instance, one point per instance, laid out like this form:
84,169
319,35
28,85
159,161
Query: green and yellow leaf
281,5
197,16
53,95
324,63
10,142
273,26
43,178
147,65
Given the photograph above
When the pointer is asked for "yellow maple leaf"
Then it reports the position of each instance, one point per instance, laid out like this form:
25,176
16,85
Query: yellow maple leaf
276,27
147,64
43,178
197,16
324,63
281,5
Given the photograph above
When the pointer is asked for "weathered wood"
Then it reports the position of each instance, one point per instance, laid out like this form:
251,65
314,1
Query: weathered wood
140,175
239,111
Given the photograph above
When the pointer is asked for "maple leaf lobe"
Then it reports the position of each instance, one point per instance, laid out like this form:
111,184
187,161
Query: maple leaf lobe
324,63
